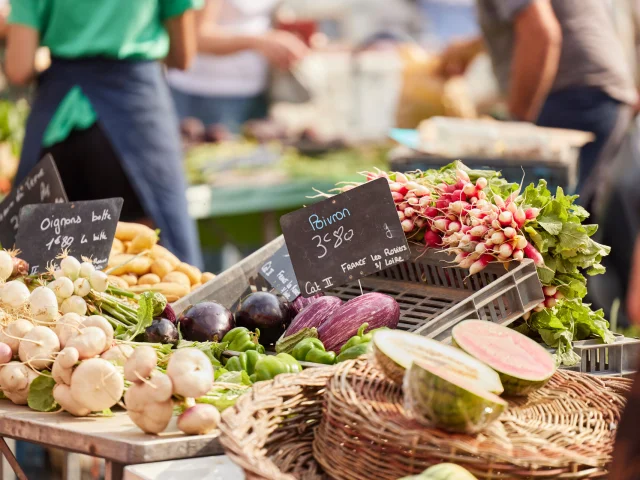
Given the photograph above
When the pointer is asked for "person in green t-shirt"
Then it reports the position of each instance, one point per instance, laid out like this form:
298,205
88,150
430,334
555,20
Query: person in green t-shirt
103,108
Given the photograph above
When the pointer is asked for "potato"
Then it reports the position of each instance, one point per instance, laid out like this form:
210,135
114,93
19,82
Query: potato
130,278
190,271
118,282
158,252
143,241
149,279
126,246
206,276
177,277
126,231
117,246
169,290
195,286
126,263
161,267
119,259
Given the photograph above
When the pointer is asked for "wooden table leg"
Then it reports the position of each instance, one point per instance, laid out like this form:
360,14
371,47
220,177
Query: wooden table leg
114,470
8,454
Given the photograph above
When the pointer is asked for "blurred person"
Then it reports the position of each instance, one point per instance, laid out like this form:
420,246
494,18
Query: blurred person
559,64
103,108
228,81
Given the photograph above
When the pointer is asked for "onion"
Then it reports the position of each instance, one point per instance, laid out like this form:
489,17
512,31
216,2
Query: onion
43,304
86,269
74,304
14,294
99,281
81,287
70,266
62,287
6,265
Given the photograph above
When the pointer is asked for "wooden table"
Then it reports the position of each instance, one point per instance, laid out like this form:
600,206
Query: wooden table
115,439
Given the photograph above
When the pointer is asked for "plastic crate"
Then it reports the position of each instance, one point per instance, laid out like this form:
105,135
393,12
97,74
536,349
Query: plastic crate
433,296
620,359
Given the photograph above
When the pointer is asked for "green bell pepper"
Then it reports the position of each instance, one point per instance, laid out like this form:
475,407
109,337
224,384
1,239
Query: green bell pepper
240,339
361,337
354,352
245,361
269,366
312,350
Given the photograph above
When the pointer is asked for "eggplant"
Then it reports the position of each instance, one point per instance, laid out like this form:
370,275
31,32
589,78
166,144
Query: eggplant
266,312
163,331
206,322
376,309
301,303
314,314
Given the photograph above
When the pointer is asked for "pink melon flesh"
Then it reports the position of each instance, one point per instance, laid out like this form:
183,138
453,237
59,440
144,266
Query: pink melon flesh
504,349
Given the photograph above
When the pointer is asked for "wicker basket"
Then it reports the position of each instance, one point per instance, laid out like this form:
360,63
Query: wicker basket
347,422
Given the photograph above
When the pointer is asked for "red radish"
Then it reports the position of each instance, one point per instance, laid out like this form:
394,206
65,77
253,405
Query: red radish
481,183
432,239
558,295
475,222
498,238
481,248
420,222
462,176
497,199
407,225
505,250
531,252
442,204
413,201
409,212
402,205
538,308
479,231
458,195
550,302
467,262
460,257
531,213
401,177
470,190
422,191
412,185
397,197
512,207
401,216
458,206
398,187
465,228
520,242
550,290
520,217
450,188
454,227
481,195
483,205
465,240
505,218
518,255
509,232
424,201
431,212
526,316
480,264
496,224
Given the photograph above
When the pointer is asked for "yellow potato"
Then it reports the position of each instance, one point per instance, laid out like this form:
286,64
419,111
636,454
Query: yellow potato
195,286
130,278
206,276
159,252
190,271
128,231
126,263
149,279
118,282
143,241
161,267
177,277
119,259
174,290
117,246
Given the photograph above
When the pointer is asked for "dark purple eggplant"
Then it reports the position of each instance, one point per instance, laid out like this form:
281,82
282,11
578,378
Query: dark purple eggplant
163,331
300,303
266,312
169,314
206,322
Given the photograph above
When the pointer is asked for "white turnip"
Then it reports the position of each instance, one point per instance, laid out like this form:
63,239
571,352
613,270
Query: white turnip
70,266
14,294
191,372
43,305
81,287
67,326
140,364
13,333
15,379
61,375
74,304
96,384
89,341
118,354
6,265
68,357
38,347
199,419
6,354
62,395
62,287
160,387
99,281
102,323
153,419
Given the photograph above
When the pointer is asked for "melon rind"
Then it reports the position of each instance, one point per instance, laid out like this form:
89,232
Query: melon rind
513,385
395,350
443,471
438,398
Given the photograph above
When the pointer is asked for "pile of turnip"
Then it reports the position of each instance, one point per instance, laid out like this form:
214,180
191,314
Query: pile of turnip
150,398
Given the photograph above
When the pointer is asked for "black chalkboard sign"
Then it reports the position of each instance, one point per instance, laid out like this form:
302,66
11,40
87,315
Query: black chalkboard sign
42,185
278,271
82,228
344,238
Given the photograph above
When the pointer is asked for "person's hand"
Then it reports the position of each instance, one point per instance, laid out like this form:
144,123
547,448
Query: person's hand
282,49
457,57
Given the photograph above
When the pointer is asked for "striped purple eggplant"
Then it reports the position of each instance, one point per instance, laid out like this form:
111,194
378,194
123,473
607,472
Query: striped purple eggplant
376,309
314,315
301,303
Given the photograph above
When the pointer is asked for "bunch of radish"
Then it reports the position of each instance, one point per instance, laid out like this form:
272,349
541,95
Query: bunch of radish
150,398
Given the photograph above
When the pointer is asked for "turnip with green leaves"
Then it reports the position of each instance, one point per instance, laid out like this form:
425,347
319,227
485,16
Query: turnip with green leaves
191,372
15,378
63,396
38,347
199,419
89,341
96,384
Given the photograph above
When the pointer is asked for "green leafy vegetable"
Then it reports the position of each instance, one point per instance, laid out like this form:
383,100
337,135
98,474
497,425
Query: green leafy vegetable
40,396
223,396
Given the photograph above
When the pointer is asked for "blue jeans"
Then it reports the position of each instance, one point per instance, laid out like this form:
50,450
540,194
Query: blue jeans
231,112
591,110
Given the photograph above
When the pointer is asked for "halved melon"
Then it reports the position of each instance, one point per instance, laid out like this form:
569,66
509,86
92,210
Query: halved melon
443,471
523,365
395,350
443,399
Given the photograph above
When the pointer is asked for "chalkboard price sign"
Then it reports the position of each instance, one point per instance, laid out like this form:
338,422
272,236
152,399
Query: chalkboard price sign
42,185
82,228
278,271
344,238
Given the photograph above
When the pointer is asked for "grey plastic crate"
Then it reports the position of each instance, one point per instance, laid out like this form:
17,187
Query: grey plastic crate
620,359
433,296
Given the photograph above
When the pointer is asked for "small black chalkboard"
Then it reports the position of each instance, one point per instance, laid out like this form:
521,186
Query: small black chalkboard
42,185
344,238
278,271
82,228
